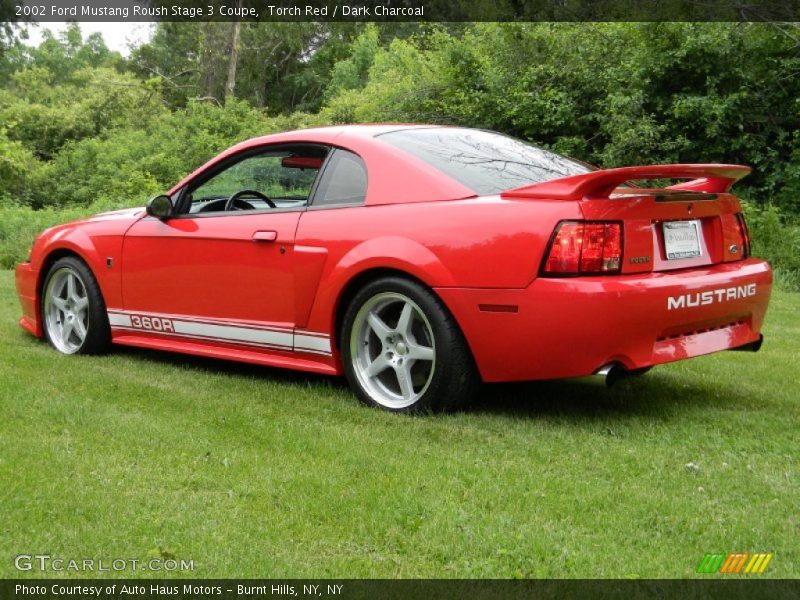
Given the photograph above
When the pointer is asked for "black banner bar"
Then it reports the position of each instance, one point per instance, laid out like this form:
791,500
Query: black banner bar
401,10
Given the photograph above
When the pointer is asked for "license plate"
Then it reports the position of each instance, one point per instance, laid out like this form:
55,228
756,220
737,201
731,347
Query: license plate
682,239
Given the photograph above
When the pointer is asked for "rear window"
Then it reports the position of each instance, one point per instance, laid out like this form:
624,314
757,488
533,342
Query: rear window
485,162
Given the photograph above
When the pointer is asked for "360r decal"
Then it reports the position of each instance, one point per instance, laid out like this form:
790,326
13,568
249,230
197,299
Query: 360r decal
152,323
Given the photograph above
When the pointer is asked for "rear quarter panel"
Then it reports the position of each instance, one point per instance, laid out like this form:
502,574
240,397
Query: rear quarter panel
483,242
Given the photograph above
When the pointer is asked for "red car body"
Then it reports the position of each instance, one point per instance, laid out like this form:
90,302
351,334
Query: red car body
206,286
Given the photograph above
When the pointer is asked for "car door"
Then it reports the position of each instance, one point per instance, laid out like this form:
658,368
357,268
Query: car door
223,275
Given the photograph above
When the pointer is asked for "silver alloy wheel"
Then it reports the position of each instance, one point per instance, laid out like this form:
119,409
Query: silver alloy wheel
66,310
393,350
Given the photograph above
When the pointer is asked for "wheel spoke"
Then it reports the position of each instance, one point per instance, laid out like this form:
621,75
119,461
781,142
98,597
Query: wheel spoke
420,352
377,366
81,304
79,328
378,326
403,373
72,289
66,331
61,286
59,303
406,320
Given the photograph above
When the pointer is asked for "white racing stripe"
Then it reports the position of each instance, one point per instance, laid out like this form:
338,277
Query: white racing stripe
118,320
312,343
234,334
220,330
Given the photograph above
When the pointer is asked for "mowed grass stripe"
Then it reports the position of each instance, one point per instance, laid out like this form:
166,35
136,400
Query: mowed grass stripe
258,472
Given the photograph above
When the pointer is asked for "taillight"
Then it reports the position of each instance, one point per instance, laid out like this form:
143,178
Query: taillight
583,247
744,235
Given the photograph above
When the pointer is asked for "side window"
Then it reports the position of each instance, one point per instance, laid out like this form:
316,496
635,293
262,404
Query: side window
277,179
344,181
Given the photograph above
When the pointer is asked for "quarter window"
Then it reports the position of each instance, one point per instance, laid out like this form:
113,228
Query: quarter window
343,182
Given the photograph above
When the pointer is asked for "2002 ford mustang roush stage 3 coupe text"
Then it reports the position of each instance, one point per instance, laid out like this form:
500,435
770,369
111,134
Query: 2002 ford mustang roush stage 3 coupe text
416,260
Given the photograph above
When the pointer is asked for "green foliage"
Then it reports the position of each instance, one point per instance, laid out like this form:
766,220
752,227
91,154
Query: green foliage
129,165
283,67
776,237
353,72
43,111
69,52
19,226
16,162
401,78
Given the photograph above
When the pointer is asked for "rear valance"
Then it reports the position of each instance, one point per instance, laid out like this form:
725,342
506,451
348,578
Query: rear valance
712,179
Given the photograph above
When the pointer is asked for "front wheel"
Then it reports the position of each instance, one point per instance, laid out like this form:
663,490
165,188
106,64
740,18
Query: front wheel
73,312
402,350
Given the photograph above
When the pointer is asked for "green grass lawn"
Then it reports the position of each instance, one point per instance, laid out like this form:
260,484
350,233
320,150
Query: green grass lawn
253,472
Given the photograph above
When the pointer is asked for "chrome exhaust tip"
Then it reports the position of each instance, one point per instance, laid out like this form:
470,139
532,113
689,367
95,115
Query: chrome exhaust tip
611,374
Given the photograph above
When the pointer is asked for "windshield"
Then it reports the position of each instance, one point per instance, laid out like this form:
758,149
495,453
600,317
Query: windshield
485,162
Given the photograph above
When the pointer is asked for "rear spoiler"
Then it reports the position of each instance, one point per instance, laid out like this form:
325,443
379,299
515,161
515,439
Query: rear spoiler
711,179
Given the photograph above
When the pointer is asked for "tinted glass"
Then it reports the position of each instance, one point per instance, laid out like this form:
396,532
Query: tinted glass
344,180
485,162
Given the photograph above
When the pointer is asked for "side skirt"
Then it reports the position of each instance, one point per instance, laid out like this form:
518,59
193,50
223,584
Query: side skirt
253,343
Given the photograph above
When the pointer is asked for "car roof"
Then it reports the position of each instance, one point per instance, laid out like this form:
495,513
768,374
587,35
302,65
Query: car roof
394,176
368,130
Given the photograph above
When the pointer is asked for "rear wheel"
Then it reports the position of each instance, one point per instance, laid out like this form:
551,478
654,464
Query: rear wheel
73,312
402,350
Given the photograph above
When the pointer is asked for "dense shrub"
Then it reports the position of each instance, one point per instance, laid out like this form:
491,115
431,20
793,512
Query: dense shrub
19,226
130,164
776,237
16,165
43,114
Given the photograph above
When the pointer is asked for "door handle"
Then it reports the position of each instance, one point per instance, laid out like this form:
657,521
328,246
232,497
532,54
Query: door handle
265,236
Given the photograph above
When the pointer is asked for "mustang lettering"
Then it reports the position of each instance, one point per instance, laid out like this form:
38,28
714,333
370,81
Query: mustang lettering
710,296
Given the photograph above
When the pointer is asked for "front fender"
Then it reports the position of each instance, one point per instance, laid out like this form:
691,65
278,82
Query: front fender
97,248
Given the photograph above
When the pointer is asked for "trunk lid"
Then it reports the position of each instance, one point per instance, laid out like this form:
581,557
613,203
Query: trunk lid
691,224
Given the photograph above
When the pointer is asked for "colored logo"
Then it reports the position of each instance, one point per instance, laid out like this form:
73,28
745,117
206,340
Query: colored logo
735,563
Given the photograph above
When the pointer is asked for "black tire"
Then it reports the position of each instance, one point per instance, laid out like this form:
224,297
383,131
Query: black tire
454,378
98,332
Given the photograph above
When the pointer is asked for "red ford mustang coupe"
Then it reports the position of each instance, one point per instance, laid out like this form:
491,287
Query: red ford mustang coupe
416,260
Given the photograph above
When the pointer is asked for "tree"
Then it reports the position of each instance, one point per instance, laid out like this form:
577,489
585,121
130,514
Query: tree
230,83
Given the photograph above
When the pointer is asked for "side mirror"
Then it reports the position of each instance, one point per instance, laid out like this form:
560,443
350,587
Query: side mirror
160,207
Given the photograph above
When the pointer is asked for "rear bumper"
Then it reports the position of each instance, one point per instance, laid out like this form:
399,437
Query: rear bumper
26,291
570,327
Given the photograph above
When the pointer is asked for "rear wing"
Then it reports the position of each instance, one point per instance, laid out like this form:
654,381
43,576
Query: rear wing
710,179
